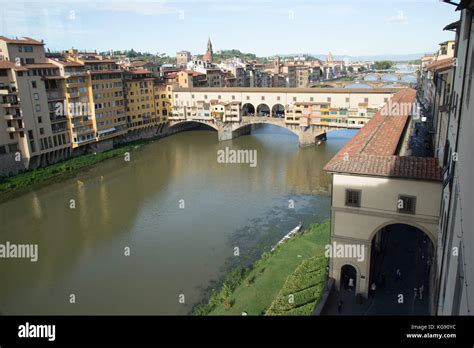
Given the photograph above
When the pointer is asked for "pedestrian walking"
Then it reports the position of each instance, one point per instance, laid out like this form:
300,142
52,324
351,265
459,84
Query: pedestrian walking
351,283
422,287
415,291
339,306
373,287
399,274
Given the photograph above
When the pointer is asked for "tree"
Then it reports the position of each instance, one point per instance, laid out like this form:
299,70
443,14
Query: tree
383,65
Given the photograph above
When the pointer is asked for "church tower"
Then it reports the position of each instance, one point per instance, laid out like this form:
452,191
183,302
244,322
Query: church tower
208,56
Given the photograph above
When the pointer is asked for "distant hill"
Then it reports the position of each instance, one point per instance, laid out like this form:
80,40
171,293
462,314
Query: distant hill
392,57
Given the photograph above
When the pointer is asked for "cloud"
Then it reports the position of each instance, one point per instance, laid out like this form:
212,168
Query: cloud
398,18
33,8
140,7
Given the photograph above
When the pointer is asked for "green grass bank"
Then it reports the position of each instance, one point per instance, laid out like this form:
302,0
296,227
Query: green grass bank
13,186
288,281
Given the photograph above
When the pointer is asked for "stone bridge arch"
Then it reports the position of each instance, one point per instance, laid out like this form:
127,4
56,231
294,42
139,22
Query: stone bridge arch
178,126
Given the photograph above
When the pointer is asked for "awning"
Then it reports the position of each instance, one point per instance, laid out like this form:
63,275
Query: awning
453,26
105,131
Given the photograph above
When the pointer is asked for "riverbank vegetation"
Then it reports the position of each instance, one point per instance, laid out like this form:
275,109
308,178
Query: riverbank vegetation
13,185
302,289
296,265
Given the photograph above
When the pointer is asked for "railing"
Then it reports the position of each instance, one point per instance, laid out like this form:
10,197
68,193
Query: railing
59,129
55,94
74,73
55,119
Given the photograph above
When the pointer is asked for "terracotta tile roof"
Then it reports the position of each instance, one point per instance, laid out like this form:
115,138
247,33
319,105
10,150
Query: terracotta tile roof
194,73
6,64
21,41
140,71
41,66
441,65
53,77
65,63
410,167
373,151
111,71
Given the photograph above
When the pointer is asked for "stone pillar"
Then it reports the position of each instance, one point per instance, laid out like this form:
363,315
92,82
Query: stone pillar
225,133
311,136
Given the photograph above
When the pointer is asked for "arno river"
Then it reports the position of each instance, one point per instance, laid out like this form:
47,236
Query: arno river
139,205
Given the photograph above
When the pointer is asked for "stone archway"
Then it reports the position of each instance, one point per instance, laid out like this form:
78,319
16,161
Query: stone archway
278,111
348,279
248,109
263,110
401,259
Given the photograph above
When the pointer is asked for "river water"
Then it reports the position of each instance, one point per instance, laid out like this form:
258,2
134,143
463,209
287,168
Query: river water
179,212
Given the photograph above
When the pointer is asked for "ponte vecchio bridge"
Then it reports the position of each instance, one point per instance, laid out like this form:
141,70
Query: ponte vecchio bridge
308,112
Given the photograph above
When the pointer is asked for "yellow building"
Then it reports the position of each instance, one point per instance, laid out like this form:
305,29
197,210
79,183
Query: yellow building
140,99
109,103
79,102
163,94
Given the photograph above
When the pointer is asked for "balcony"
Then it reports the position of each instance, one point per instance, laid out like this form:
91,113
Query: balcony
15,129
83,131
74,73
59,129
55,94
6,90
11,117
57,119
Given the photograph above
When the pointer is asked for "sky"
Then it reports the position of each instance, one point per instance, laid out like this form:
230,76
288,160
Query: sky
263,27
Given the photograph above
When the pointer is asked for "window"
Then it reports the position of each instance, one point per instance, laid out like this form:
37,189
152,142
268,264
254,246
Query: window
40,119
36,96
329,99
347,100
353,198
41,131
406,204
33,84
366,100
38,107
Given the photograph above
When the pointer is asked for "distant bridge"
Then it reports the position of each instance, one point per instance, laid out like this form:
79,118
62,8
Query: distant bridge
372,84
400,76
309,135
289,108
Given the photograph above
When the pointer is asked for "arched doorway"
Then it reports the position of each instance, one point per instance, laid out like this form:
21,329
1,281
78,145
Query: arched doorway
348,277
263,110
278,111
248,110
401,270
